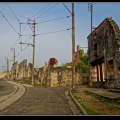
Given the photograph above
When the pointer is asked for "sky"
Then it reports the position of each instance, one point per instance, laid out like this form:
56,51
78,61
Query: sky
53,29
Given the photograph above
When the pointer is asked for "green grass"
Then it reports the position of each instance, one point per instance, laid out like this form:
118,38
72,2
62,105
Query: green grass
88,110
102,99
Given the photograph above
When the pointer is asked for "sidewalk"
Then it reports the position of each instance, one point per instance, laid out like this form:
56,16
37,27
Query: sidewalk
101,92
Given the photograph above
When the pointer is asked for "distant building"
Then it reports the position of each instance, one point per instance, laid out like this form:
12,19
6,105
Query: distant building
77,55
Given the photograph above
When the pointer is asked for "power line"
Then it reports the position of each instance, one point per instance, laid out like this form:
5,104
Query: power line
16,14
48,10
54,19
41,34
9,23
49,32
21,51
26,35
29,26
15,42
23,48
40,11
54,31
9,15
25,27
13,13
18,46
67,8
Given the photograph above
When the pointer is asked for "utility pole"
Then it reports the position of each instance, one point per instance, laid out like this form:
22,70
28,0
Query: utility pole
7,61
73,48
90,8
33,45
33,52
13,49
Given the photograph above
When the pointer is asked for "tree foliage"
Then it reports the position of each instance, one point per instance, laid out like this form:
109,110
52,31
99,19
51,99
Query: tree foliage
83,63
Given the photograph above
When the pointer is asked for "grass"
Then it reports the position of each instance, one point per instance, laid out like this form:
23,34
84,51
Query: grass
102,99
39,85
88,110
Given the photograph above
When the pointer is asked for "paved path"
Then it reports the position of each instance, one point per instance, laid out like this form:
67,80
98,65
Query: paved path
14,95
28,100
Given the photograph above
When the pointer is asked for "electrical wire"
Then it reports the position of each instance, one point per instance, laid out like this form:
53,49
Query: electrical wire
54,31
40,11
9,23
48,10
13,13
39,22
22,50
9,15
54,19
67,8
16,14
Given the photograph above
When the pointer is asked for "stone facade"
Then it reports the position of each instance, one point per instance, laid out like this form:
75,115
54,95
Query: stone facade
49,75
59,76
14,71
22,70
104,55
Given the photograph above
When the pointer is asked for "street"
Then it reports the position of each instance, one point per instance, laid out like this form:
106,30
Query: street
39,101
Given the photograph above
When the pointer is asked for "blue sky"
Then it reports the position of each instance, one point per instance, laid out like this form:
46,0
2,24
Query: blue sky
58,44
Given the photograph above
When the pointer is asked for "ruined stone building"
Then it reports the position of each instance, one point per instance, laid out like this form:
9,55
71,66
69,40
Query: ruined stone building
53,75
50,74
14,71
104,55
22,69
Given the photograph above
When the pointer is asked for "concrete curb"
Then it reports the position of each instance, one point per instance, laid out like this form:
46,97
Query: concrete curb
3,98
73,107
78,104
20,90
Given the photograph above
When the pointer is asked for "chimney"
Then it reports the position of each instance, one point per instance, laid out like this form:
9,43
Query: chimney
78,48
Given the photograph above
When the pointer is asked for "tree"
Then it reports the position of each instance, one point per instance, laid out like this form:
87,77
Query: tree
83,63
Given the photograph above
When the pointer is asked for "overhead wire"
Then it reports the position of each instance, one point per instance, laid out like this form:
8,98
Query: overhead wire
54,31
67,8
12,12
30,18
25,47
39,22
40,10
47,10
15,17
9,23
9,15
54,19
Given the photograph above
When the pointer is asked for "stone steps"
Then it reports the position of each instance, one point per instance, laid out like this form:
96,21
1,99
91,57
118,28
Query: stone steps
114,90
